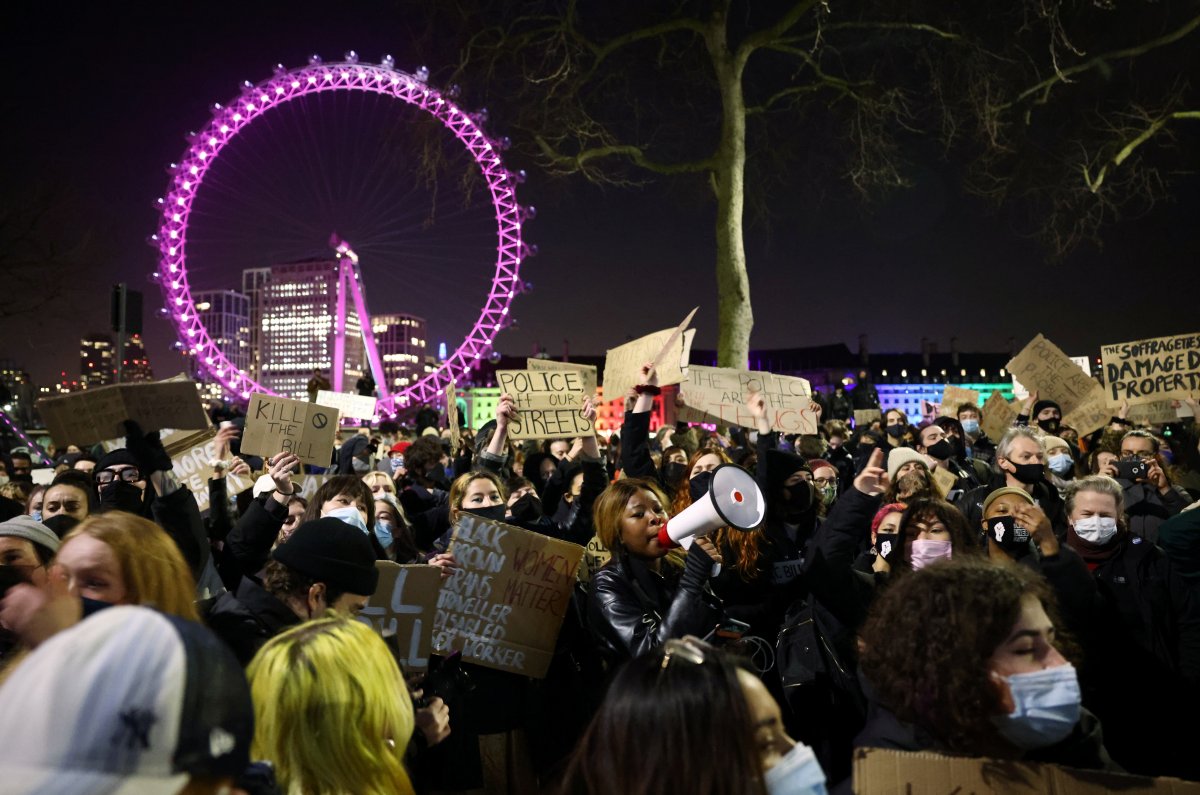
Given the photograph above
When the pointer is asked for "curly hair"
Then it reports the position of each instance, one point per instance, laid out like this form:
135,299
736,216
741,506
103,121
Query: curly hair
928,639
963,541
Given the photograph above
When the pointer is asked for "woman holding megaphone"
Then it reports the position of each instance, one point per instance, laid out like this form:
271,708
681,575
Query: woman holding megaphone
648,592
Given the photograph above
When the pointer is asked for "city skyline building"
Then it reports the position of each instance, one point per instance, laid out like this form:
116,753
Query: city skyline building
226,316
97,362
254,282
300,303
135,364
403,346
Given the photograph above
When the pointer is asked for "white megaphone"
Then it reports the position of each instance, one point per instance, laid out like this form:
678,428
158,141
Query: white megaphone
733,500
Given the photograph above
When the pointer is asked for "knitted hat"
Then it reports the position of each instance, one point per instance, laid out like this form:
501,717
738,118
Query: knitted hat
400,447
899,456
331,551
816,463
782,465
27,528
1050,442
1045,404
1007,490
118,456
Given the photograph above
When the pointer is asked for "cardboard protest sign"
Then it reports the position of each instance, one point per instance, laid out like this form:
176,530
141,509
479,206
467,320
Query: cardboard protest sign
718,394
595,555
587,372
1042,366
998,415
864,417
953,397
623,364
883,771
943,481
42,476
452,415
548,404
307,485
402,608
1089,415
1152,369
505,604
1157,413
94,415
360,407
191,465
1021,393
274,424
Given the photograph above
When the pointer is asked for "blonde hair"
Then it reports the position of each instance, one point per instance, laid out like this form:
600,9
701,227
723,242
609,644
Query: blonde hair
328,698
458,489
372,478
152,567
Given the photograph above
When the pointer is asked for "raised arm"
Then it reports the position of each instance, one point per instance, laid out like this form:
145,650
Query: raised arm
635,432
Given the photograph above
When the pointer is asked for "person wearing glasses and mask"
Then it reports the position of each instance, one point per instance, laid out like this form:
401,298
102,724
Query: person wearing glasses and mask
1150,499
644,738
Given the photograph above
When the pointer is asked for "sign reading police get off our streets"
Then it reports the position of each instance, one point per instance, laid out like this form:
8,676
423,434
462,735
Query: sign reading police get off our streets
1150,370
278,424
548,403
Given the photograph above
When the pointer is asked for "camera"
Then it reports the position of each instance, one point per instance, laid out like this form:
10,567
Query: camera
1132,470
446,680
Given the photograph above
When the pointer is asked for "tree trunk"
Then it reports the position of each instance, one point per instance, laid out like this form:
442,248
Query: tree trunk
735,317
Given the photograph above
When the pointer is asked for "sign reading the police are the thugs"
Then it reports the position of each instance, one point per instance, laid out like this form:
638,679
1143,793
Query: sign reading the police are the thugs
504,605
549,403
402,610
718,394
278,424
1041,365
1150,370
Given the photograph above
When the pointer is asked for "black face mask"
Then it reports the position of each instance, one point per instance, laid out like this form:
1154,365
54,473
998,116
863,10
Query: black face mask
941,450
1011,537
888,547
895,431
527,508
801,497
673,473
698,486
438,477
1028,473
493,512
1049,426
121,496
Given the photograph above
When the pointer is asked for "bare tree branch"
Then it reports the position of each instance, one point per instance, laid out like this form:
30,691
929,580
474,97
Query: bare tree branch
1095,183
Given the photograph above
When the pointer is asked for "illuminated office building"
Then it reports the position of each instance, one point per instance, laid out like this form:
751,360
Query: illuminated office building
254,282
226,317
301,303
402,345
97,366
135,365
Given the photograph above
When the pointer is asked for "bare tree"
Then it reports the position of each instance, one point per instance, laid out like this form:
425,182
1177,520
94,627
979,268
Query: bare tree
744,98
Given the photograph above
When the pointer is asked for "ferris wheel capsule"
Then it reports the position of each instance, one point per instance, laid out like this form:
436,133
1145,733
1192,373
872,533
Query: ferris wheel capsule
388,62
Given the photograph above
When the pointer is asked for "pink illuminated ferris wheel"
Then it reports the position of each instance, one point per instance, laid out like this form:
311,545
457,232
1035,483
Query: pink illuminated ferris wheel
257,101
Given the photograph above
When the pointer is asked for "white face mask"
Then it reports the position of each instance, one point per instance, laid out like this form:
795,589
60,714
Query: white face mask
1096,529
926,552
798,773
1047,707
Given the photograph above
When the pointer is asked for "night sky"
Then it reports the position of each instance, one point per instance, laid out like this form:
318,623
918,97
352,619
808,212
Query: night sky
98,101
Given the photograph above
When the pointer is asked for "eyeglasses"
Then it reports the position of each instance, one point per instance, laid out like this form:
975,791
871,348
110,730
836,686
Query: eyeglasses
824,481
129,475
688,648
1137,456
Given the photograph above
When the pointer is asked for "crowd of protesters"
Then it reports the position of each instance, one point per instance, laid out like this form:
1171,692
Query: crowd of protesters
1037,599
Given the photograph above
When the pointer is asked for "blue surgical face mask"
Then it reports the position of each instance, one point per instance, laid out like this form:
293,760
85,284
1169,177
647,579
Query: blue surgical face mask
350,516
1047,707
970,427
798,773
36,515
383,531
1061,464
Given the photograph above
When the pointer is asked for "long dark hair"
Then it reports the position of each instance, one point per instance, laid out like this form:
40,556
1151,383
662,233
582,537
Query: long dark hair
928,639
963,542
655,732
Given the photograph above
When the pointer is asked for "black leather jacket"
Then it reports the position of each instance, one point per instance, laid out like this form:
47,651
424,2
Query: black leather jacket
632,609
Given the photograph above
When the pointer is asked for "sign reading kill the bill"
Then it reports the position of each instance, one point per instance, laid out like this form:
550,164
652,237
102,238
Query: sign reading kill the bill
275,424
623,363
1043,367
504,605
548,403
1150,370
402,611
718,394
94,415
587,372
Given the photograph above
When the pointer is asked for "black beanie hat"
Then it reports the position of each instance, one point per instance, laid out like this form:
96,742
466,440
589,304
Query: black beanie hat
781,465
330,551
118,456
1045,404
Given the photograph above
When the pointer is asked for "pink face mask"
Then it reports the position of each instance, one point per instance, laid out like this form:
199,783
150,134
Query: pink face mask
926,552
